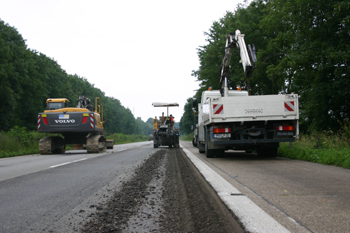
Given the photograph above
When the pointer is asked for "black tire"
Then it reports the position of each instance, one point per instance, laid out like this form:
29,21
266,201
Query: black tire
201,148
155,145
208,153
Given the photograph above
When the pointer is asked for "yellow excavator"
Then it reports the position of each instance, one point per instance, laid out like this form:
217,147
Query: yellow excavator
79,125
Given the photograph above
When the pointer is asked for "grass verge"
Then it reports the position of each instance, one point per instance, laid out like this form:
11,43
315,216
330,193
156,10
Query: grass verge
325,148
19,141
187,137
123,138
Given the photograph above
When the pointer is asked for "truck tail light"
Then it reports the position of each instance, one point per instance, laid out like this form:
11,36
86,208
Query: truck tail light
221,130
285,128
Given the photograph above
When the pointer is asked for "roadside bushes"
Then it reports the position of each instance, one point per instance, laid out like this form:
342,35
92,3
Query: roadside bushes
19,141
188,137
328,156
324,147
124,138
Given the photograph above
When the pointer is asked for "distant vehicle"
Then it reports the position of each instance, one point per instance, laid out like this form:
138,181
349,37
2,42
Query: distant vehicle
164,132
231,119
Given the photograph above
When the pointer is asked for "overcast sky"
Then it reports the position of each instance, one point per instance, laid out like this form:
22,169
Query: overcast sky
139,52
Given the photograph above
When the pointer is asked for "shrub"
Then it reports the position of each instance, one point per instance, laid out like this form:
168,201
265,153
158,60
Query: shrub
325,147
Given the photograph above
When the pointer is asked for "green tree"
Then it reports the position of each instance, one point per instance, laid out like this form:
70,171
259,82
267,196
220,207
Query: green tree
13,72
311,40
29,77
187,119
302,47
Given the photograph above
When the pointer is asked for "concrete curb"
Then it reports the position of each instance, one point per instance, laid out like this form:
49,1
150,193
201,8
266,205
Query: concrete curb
252,217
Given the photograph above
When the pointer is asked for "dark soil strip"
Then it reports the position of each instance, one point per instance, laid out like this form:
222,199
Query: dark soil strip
190,203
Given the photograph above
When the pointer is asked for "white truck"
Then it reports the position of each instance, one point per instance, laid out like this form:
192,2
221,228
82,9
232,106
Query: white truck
233,119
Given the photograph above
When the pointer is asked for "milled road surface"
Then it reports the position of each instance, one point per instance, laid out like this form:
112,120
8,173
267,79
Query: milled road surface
165,195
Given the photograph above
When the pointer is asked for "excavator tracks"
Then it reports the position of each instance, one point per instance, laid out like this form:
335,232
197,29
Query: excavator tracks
56,145
52,145
96,144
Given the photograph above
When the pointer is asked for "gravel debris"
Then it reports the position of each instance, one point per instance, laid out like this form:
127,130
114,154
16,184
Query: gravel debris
166,194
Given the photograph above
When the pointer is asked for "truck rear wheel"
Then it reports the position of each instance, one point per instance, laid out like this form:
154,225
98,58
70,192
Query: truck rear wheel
201,148
208,152
194,143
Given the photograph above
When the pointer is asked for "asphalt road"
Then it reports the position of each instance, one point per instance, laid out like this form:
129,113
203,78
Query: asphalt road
302,196
36,190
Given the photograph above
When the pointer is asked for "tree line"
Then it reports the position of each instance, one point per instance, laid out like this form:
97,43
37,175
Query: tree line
303,47
28,78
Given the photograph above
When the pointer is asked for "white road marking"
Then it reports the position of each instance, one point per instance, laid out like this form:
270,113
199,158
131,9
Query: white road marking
62,164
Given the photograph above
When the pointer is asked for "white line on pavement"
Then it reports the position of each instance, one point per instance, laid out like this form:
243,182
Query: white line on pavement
61,164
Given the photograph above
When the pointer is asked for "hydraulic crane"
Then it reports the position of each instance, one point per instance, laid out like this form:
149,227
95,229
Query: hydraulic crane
248,59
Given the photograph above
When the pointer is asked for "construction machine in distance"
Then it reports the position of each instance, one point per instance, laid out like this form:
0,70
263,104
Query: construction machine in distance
80,125
164,133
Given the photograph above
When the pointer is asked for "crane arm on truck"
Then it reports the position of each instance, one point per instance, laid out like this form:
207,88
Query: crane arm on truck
248,59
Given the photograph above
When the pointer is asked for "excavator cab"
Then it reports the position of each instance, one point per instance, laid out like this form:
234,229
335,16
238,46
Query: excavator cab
53,104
